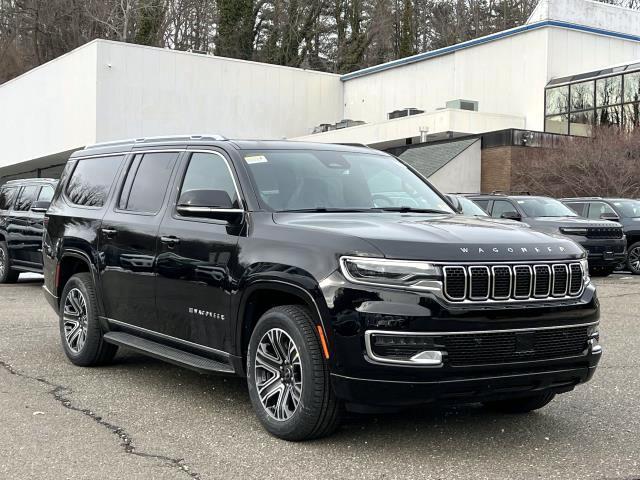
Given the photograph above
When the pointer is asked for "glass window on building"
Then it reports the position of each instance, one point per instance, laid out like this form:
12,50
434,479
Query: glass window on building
632,87
609,116
582,96
608,91
581,123
557,100
557,124
631,114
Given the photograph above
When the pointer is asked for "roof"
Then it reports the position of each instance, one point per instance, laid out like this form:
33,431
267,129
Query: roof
428,159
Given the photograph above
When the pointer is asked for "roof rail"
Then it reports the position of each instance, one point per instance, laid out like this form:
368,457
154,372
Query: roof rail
581,198
32,179
164,138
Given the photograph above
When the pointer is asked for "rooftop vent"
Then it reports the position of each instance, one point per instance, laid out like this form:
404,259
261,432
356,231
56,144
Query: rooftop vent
405,112
345,123
460,104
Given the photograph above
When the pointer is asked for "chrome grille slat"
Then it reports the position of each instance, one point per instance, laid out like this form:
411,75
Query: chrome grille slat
509,282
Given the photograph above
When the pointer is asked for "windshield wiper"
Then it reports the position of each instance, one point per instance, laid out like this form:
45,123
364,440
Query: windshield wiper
413,210
326,210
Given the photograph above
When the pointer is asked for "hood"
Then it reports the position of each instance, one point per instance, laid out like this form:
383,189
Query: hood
453,238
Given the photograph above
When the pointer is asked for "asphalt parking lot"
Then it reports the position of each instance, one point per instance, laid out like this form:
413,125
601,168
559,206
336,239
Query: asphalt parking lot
141,418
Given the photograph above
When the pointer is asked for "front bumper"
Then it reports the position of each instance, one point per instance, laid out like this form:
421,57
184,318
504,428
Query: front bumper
604,252
359,379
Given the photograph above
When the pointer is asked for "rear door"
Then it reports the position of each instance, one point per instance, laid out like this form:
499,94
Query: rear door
128,239
22,242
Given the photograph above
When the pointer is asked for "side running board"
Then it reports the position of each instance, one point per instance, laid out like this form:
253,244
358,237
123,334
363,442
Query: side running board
168,354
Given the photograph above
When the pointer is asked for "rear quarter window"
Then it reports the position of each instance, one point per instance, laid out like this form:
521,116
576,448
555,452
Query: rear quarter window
7,196
91,180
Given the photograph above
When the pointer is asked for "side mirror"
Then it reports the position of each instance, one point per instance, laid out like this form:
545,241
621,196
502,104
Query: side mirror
610,216
215,204
511,216
40,207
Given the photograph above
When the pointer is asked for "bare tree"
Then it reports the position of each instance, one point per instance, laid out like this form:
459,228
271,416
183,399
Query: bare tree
606,165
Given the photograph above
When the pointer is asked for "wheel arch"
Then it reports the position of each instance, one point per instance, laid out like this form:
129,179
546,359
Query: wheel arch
262,295
73,260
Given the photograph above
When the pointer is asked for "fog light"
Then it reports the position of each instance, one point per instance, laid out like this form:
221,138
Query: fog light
428,357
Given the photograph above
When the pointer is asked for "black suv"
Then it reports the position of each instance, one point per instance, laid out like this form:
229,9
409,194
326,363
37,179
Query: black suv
603,240
623,210
331,277
22,207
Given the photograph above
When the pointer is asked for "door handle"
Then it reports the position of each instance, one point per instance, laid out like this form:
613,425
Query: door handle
109,232
171,241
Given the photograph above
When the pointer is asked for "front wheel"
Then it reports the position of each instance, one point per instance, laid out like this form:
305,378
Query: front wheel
288,378
633,258
520,404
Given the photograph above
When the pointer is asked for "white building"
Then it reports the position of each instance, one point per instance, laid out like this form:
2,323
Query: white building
515,79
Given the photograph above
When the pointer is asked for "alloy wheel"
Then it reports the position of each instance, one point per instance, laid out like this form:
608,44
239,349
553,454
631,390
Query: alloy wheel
75,320
278,374
634,259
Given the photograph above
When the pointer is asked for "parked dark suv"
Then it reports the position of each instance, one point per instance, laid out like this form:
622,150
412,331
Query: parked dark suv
22,207
329,276
602,239
623,210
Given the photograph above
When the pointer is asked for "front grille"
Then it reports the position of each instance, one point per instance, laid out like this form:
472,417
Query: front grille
604,232
505,347
484,348
479,283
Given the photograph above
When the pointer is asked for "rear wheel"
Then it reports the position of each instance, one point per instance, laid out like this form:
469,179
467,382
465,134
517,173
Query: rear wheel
521,404
633,258
288,377
6,274
80,332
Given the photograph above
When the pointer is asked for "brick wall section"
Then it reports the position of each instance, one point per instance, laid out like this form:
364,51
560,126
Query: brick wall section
496,169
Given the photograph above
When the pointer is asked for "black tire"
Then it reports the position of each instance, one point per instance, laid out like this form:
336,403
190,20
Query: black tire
93,350
318,412
601,271
6,274
521,404
633,258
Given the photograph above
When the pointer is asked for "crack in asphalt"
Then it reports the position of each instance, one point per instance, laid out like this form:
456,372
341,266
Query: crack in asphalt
61,394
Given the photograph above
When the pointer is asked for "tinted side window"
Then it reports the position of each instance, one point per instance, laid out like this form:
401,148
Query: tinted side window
484,204
147,182
7,195
500,207
597,209
209,171
26,198
91,180
579,208
46,194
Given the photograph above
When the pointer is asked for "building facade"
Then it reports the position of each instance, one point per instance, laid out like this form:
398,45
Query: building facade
574,64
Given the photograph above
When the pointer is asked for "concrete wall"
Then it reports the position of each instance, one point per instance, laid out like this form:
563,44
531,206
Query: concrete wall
447,120
462,174
145,91
588,13
50,109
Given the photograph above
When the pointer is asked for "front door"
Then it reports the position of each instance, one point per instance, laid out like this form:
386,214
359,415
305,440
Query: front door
195,255
128,240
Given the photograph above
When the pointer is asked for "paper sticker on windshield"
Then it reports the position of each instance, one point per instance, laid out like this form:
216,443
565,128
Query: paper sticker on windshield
256,159
520,202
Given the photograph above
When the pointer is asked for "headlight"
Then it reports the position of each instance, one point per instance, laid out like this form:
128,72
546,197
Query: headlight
573,231
394,273
585,271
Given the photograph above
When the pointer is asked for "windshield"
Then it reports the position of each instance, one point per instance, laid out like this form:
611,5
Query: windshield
292,180
471,208
628,208
544,207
